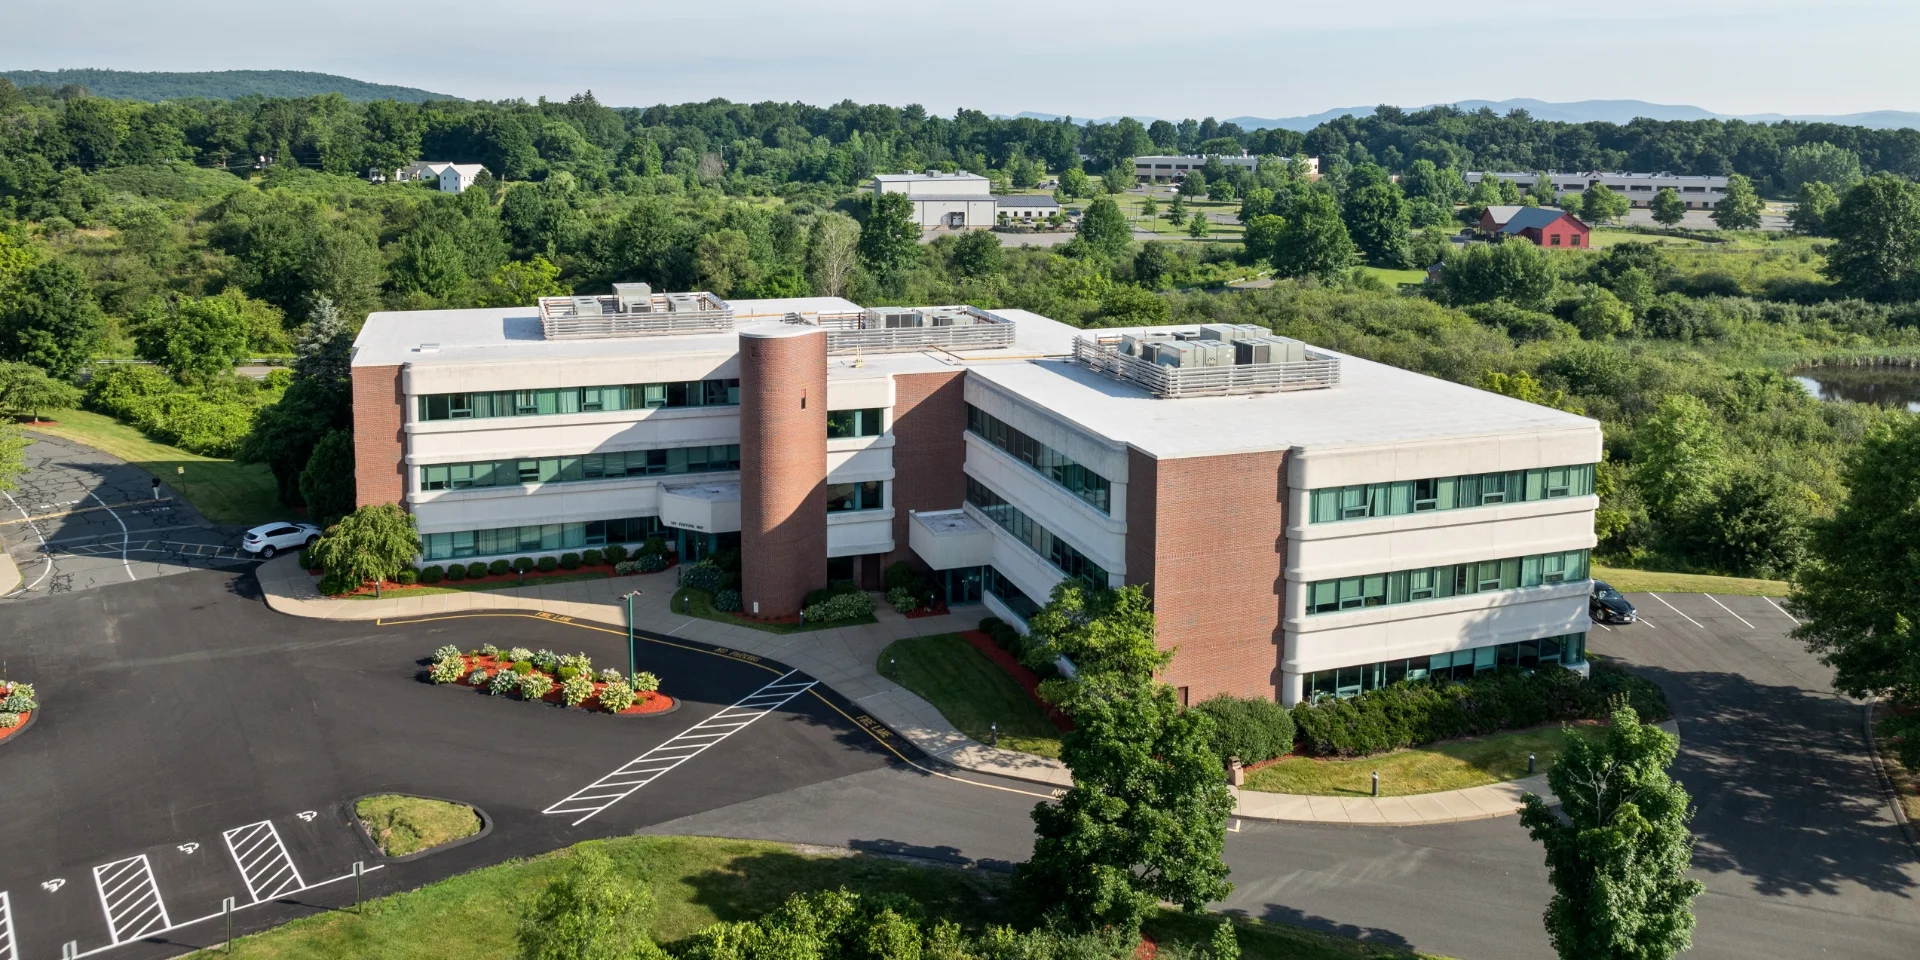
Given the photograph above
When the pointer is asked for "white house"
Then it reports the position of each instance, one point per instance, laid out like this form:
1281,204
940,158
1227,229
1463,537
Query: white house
453,177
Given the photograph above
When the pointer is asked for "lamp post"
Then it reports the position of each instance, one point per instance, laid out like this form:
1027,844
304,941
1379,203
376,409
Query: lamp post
630,664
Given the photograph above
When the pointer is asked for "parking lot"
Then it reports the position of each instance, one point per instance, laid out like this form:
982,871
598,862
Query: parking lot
195,747
81,519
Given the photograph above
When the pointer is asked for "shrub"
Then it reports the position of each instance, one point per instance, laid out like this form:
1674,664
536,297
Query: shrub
9,719
456,573
519,653
988,623
610,675
478,676
497,568
546,660
546,564
533,686
701,576
478,569
902,599
592,557
522,667
569,561
625,567
21,699
489,650
407,577
828,592
333,583
1006,637
846,606
445,651
576,690
727,601
306,559
1253,729
617,696
899,574
447,670
616,552
653,547
567,673
433,574
645,682
578,661
504,682
650,563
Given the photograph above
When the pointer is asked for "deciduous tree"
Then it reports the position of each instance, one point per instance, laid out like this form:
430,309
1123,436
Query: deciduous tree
521,283
889,239
27,391
327,483
373,542
49,319
1740,209
1679,456
977,254
1812,204
588,912
1876,238
1314,242
832,251
1819,162
1602,204
1667,207
194,340
1376,219
1104,230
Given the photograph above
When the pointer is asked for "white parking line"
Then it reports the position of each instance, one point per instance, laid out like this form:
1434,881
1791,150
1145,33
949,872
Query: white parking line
9,948
263,860
36,532
130,898
221,913
1676,610
1783,611
1728,609
650,766
125,536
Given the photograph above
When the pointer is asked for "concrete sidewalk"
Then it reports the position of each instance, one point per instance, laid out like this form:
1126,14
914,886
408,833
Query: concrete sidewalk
846,658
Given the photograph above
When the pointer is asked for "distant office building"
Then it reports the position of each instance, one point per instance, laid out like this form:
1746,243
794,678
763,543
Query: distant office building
1699,193
952,200
1154,169
1026,208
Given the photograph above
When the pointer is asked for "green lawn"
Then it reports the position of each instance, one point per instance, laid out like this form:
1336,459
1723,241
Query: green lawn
702,607
463,587
697,881
1602,238
1452,765
1393,278
242,494
402,824
971,691
1649,581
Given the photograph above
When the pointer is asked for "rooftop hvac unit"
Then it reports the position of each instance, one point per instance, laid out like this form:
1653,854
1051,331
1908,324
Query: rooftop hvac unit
1212,353
679,302
1141,345
586,306
1172,354
895,321
1252,350
1231,331
1289,350
634,297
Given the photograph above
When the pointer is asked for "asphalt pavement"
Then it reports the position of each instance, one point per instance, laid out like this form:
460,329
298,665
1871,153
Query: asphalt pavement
82,519
194,746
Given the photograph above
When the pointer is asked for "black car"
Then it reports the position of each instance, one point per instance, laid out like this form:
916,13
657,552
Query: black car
1608,606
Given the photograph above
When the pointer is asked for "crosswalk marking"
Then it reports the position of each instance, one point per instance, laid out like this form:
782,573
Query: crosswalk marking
130,898
650,766
9,949
263,860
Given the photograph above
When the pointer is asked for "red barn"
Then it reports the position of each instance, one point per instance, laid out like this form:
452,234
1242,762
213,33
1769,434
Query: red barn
1544,226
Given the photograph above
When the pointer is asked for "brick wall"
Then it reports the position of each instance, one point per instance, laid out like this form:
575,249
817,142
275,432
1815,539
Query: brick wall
783,469
1207,536
379,436
929,448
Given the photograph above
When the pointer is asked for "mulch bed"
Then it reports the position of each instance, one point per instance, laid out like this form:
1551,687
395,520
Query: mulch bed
1026,678
650,702
25,720
389,587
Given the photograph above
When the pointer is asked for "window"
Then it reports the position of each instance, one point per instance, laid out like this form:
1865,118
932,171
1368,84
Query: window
565,400
1359,501
593,466
1568,650
1555,238
537,537
1454,579
1007,593
844,497
853,423
1035,537
1092,488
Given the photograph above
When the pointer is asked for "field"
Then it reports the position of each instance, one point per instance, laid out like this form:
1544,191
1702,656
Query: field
241,494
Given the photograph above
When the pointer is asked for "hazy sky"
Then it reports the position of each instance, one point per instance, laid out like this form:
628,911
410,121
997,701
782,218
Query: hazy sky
1144,57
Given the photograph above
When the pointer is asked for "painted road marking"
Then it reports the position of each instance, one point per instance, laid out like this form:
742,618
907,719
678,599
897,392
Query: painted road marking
1783,611
130,898
125,564
1728,609
263,860
218,914
36,532
1676,609
650,766
9,948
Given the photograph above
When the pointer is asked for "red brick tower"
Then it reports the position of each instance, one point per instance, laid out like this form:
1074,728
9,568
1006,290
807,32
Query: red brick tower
783,467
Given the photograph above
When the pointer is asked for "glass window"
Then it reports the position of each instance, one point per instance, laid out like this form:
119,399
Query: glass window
1035,537
1433,583
1092,488
1447,493
843,497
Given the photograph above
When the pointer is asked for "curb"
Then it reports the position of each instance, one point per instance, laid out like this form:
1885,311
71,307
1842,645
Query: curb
482,691
1886,782
360,828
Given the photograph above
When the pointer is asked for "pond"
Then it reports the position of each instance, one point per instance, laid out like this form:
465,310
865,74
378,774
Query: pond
1885,386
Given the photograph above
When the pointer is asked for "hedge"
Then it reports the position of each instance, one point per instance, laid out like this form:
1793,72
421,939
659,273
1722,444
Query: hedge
1251,728
1419,712
846,606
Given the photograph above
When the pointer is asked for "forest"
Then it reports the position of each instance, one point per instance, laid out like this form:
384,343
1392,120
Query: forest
193,234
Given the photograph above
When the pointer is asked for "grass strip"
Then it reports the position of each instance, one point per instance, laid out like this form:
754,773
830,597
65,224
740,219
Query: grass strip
1649,581
971,691
241,494
1448,765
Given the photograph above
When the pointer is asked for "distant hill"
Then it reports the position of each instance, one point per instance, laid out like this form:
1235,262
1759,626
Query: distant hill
1582,111
217,84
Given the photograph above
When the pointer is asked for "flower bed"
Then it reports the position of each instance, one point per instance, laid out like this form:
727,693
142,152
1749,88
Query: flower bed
562,680
18,704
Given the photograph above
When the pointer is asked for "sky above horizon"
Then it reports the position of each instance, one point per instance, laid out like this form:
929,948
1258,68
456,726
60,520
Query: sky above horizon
1224,59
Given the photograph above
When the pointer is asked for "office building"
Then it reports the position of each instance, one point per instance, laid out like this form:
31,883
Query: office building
1698,192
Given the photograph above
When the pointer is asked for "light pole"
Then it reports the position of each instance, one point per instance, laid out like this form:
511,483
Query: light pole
631,668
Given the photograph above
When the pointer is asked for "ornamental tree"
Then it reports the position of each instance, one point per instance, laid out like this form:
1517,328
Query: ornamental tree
371,543
27,391
1858,594
1618,858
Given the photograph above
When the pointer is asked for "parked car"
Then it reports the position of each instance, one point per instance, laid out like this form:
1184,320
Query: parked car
268,539
1606,605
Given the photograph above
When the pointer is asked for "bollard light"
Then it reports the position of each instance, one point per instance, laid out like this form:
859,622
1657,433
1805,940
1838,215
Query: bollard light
1376,783
993,734
1529,764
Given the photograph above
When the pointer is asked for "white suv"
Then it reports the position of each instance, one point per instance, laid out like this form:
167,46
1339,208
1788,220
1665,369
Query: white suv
271,538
